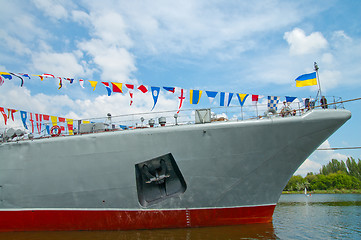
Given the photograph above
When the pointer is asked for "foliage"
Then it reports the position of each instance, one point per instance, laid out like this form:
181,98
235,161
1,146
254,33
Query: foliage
335,175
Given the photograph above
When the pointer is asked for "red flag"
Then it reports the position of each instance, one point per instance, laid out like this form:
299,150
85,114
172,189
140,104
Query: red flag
38,118
254,98
117,87
4,114
143,88
60,83
81,82
32,122
106,84
181,98
61,120
11,113
48,75
130,87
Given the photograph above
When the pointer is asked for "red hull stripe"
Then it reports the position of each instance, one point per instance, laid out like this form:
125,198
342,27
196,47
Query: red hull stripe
67,220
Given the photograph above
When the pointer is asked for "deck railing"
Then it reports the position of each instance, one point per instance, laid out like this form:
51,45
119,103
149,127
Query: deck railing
185,116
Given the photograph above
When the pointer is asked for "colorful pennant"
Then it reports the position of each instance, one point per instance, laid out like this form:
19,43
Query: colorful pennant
81,82
106,84
181,99
117,87
211,96
155,94
195,96
93,84
242,98
273,102
6,75
225,98
143,88
130,89
24,115
4,115
169,89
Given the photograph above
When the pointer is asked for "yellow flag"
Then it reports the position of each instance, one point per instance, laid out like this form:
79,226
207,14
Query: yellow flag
54,120
70,126
93,84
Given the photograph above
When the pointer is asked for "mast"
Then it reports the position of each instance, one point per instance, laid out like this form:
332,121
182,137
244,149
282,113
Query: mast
318,79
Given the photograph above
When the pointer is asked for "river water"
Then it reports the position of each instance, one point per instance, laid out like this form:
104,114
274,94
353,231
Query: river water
320,216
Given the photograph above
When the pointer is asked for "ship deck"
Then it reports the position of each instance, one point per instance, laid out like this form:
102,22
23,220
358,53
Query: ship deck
140,121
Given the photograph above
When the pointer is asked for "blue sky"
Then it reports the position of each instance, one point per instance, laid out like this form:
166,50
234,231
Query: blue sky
231,46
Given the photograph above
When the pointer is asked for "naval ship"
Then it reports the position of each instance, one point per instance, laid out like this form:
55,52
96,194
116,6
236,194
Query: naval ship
208,173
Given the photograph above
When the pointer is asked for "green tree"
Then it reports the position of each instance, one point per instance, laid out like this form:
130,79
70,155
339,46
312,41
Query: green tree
354,169
333,166
296,183
334,175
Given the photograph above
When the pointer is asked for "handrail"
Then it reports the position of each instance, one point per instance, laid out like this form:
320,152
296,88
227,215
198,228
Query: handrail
130,120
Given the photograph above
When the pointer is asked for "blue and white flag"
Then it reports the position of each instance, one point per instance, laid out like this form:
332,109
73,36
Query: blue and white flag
225,98
106,84
273,102
290,99
170,89
24,116
211,95
155,94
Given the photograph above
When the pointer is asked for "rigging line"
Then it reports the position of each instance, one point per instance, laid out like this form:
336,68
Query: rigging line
339,148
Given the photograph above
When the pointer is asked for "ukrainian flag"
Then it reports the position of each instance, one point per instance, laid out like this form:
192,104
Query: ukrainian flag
309,79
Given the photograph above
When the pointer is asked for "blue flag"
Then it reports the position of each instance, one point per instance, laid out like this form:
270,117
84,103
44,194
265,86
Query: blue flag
225,98
273,102
195,96
290,99
6,75
24,115
211,95
242,98
106,84
155,94
170,89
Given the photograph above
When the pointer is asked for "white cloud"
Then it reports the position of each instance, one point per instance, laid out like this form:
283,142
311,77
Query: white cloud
109,47
53,8
164,27
341,35
14,44
319,158
60,64
328,59
300,44
80,17
330,79
116,63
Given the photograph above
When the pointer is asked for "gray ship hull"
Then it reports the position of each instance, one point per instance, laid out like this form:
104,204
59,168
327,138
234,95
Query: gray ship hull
212,174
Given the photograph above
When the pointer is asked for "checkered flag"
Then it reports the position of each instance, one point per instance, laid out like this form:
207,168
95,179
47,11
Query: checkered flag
273,102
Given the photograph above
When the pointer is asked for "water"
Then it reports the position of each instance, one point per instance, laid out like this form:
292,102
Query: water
320,216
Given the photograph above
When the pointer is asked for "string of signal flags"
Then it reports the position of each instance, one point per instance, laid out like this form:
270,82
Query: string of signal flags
194,95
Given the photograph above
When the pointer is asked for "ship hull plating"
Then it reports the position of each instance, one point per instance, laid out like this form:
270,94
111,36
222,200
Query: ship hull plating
218,174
